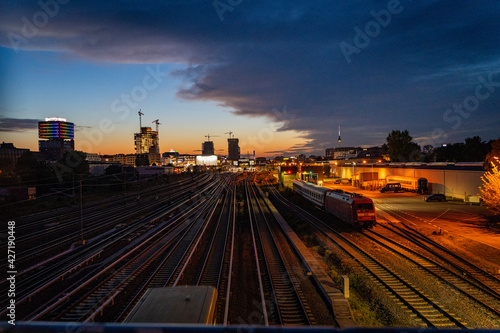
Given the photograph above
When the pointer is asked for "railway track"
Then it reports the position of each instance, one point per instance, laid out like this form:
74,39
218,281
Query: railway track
50,276
429,247
58,237
474,290
477,274
284,302
88,303
426,312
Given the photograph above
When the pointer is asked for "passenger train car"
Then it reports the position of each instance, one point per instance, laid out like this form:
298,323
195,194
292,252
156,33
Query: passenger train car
413,184
312,192
352,208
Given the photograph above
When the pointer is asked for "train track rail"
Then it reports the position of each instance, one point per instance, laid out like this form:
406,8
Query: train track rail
50,276
285,303
157,253
471,271
96,221
474,290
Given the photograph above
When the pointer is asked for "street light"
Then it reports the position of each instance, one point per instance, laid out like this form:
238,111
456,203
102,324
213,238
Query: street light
371,178
353,173
81,213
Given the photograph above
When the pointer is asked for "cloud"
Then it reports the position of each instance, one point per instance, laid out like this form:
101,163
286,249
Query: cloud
265,55
18,125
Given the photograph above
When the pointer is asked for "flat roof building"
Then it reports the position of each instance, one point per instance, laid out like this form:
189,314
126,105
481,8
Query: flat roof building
56,137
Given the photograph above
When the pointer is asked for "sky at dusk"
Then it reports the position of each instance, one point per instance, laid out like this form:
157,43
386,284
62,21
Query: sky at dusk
281,75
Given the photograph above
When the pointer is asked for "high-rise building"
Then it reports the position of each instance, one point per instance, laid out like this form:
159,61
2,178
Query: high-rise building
57,136
233,149
147,142
207,148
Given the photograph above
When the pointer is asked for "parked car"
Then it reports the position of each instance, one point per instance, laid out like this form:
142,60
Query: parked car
343,181
395,187
435,197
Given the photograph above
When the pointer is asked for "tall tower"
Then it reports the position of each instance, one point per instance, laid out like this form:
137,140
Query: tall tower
340,140
233,149
56,136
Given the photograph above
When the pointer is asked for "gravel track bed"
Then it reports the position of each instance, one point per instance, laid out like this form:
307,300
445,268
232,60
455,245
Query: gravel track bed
439,291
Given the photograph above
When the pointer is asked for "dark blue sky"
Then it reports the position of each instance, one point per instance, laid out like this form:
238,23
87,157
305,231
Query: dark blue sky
431,67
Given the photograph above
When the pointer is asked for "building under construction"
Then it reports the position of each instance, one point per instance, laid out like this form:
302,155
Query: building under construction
233,148
207,148
147,142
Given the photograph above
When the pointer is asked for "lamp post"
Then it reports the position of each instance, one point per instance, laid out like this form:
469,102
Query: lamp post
372,177
353,173
444,181
81,213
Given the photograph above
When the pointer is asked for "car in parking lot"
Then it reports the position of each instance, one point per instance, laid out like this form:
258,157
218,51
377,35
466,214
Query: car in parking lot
435,197
343,181
391,187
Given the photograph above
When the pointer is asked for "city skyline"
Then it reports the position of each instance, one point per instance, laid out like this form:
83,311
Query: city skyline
282,77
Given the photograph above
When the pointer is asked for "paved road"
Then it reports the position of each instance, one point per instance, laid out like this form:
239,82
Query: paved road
453,217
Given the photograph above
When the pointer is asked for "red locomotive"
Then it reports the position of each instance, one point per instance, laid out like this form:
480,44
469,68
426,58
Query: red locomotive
352,208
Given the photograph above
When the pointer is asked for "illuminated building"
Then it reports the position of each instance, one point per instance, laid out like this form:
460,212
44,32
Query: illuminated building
209,160
147,142
57,137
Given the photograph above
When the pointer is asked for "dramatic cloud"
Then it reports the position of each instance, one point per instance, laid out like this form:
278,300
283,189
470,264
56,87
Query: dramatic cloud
370,66
18,125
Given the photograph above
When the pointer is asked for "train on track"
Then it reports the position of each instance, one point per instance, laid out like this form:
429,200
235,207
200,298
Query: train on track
352,208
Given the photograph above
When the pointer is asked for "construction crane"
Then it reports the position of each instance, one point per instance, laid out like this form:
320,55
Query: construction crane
230,132
208,136
157,122
140,121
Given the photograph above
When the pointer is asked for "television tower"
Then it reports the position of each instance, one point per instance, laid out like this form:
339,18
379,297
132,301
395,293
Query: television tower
340,140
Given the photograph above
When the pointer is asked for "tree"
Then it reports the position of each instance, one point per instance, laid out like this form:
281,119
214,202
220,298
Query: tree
114,169
491,189
32,171
72,163
400,147
493,156
473,150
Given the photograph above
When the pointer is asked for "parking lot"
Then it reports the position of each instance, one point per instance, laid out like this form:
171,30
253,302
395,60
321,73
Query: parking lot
457,218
